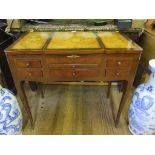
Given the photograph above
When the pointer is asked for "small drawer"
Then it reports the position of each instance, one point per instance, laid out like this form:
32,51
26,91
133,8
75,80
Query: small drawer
116,73
87,73
116,62
74,74
31,74
61,74
28,63
74,59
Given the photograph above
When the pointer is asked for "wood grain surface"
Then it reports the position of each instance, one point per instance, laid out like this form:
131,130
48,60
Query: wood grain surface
73,40
32,40
115,40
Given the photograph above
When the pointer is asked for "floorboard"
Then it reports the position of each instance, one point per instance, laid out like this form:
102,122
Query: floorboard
74,110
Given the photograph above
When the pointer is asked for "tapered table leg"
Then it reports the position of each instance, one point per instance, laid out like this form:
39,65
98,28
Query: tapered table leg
128,86
33,85
109,88
22,95
41,90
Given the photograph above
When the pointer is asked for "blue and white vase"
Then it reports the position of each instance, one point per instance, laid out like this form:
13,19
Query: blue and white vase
142,109
10,114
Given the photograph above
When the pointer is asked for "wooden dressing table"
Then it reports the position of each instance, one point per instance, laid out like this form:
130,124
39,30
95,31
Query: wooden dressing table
47,57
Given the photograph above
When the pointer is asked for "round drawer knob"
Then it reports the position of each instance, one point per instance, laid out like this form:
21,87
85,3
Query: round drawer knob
74,74
30,74
119,63
73,66
27,64
117,74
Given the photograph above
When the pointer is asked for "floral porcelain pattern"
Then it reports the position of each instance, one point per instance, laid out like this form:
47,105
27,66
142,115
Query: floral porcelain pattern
10,114
142,109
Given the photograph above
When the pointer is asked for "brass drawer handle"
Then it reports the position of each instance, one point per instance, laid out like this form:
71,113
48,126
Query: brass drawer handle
73,56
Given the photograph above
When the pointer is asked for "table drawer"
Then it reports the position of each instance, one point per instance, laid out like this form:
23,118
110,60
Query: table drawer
75,59
87,73
28,63
30,74
116,73
71,74
119,62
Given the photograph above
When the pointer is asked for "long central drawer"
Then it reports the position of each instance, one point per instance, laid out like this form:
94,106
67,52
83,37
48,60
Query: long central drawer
59,60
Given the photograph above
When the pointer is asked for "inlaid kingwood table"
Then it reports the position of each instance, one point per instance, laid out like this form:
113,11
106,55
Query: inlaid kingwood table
48,57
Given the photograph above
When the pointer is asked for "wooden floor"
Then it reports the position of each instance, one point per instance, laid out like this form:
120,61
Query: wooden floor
74,110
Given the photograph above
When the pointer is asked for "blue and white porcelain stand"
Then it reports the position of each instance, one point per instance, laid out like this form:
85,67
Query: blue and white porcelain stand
10,114
142,109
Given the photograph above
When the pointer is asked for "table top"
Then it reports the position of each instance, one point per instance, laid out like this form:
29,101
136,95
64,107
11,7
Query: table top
32,40
113,40
150,31
73,40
